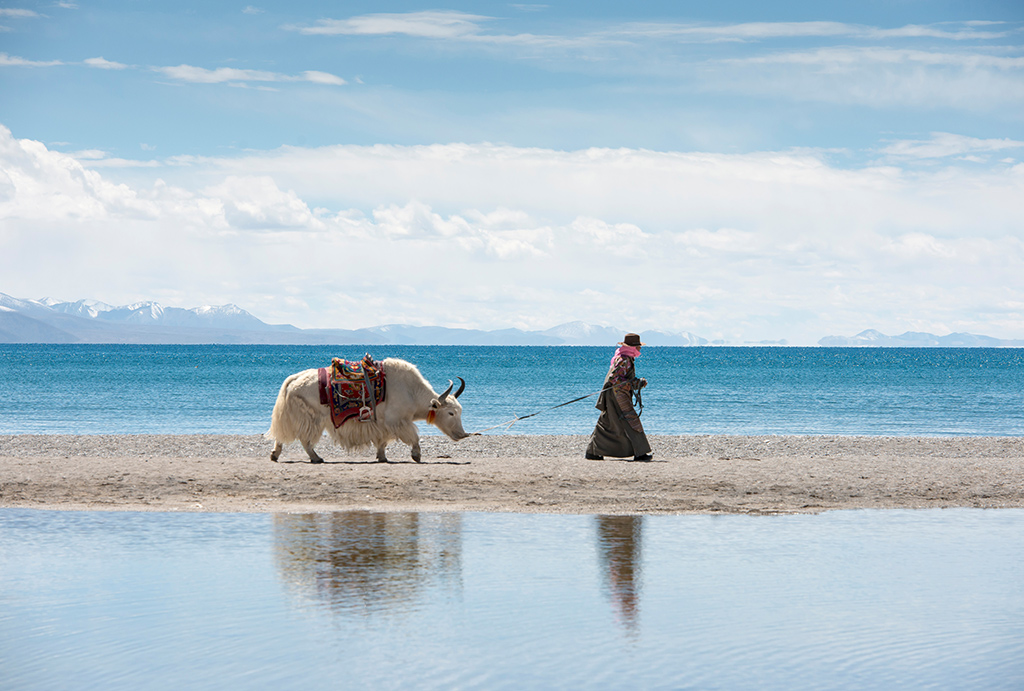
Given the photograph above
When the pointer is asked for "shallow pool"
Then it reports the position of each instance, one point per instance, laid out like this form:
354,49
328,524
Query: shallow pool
858,599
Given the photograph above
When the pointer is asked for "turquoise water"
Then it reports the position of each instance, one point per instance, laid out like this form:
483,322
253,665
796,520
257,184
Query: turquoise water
845,600
848,600
128,389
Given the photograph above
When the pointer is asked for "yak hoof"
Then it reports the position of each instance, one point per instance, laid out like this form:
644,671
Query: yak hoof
316,460
274,457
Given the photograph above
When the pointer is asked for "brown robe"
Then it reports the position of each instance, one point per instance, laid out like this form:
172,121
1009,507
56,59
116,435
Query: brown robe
618,432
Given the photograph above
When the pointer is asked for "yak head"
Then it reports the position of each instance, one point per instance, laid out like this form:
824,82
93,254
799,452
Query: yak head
446,412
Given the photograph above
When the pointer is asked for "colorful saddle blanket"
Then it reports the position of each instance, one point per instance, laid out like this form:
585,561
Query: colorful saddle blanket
343,388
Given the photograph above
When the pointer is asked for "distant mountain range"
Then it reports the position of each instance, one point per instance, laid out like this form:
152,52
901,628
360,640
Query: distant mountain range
917,339
90,321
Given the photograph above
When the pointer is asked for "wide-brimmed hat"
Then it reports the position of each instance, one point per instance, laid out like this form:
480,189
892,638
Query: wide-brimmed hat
632,340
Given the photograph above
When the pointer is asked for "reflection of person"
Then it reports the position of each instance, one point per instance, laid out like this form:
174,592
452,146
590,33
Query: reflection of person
619,546
619,432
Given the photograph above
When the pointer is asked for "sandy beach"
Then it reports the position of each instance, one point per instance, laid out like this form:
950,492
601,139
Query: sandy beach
690,474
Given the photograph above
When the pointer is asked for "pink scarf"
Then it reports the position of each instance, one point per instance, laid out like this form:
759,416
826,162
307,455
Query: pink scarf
628,351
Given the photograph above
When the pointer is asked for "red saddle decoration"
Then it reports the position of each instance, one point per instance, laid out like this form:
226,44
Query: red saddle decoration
344,387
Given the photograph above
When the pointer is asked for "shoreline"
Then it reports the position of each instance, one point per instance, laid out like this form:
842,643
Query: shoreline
698,474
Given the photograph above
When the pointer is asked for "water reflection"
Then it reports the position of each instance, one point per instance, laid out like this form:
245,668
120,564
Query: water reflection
366,562
619,541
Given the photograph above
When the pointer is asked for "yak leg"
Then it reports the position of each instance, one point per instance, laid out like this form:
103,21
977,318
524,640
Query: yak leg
381,456
313,457
276,453
409,435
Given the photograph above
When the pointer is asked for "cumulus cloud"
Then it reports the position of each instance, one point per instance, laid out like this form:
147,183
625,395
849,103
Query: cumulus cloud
483,235
916,245
623,236
256,202
46,185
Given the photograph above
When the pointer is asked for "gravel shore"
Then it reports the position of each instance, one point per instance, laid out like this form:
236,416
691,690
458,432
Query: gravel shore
689,474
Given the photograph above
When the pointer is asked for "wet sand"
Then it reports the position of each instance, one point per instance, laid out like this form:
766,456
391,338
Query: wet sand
690,474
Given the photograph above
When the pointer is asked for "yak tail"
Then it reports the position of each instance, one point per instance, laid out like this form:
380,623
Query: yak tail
292,420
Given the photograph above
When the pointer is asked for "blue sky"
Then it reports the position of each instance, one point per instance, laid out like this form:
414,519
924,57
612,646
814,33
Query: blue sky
744,171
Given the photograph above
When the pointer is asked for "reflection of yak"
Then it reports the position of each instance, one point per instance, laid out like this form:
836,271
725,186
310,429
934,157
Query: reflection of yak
619,543
367,562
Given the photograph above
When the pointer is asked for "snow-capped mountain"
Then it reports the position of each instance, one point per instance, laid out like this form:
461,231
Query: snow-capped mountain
89,321
82,308
223,316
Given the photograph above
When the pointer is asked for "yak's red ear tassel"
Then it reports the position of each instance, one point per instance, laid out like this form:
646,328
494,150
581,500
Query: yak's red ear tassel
430,416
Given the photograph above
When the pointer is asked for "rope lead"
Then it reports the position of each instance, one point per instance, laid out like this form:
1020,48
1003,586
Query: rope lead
508,425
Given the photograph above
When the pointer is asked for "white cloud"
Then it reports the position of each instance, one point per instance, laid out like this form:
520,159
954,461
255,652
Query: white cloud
249,9
115,162
88,154
256,202
915,245
486,236
15,13
200,75
834,58
97,158
14,61
945,144
430,24
45,186
323,78
104,64
222,75
622,236
876,77
454,25
757,31
908,66
722,240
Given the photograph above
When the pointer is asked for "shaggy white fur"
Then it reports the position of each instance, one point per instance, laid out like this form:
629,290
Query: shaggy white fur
299,416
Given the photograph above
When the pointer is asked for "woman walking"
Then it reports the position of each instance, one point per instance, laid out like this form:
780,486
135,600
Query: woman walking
619,432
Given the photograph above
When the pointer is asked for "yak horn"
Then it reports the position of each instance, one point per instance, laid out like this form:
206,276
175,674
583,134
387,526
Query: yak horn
446,392
462,386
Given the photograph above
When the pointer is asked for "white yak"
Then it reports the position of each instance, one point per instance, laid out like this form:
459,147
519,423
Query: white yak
299,416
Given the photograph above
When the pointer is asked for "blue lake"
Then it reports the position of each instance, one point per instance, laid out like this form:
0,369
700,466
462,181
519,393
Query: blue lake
129,389
845,600
860,599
